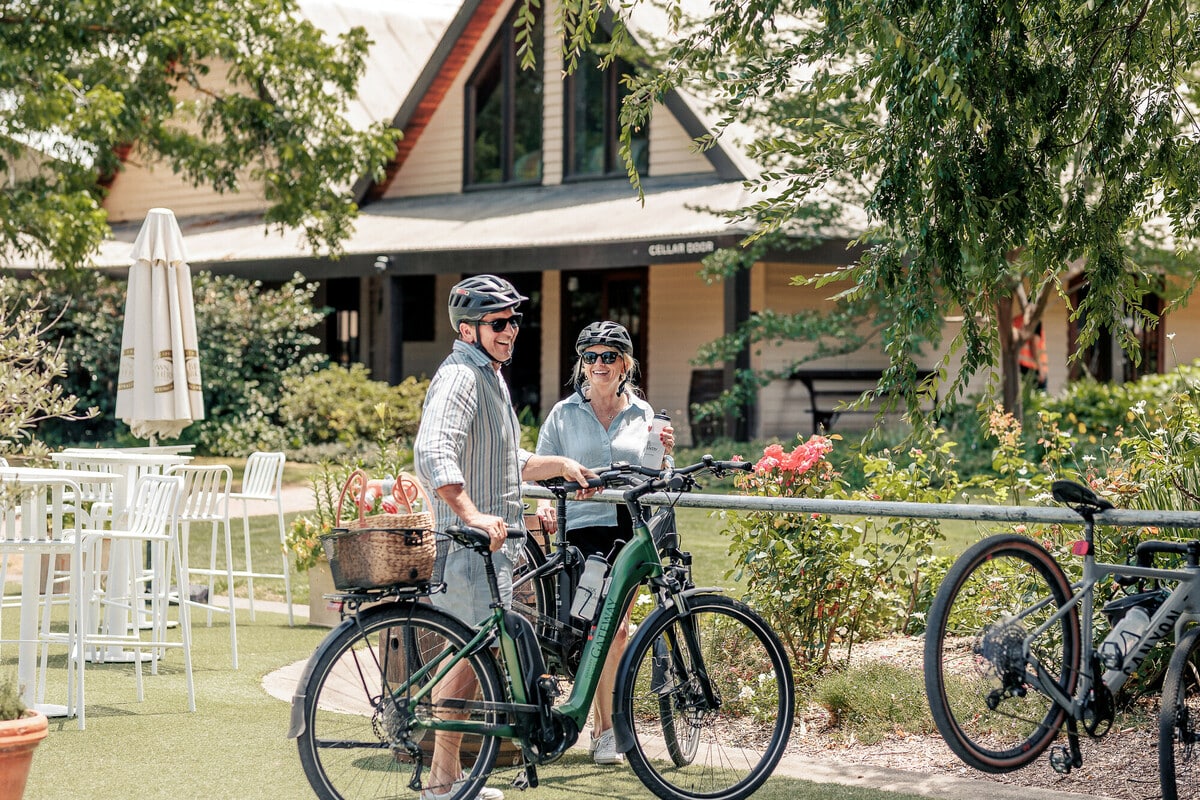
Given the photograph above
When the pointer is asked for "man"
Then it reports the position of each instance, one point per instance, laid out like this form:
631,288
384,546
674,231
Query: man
468,456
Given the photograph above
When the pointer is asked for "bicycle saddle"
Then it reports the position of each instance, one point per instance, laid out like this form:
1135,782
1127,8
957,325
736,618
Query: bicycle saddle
1075,494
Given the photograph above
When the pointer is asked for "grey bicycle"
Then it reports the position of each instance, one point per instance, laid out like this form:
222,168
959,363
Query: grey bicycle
1010,654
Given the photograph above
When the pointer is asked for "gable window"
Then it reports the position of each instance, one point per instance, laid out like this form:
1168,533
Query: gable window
592,121
504,115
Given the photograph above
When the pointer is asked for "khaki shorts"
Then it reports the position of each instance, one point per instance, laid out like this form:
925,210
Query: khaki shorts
467,596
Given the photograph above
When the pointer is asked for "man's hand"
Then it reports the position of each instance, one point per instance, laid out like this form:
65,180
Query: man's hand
548,516
574,471
495,526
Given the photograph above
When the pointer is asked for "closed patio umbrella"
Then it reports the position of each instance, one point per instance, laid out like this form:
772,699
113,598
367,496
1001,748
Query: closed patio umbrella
158,389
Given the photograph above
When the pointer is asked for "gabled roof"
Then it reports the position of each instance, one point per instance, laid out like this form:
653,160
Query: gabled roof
590,223
460,39
404,37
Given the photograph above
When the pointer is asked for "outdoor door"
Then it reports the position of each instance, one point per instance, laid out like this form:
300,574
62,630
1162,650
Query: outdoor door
593,295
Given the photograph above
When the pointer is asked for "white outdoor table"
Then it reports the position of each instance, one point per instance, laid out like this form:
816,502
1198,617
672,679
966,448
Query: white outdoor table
30,573
128,466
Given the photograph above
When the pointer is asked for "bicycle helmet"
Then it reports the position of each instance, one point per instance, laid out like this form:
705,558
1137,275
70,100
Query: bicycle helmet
472,299
609,334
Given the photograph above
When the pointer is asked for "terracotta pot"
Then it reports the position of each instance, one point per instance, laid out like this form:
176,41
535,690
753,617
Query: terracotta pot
18,738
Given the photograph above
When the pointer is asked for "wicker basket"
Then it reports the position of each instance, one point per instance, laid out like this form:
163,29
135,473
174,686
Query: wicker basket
378,550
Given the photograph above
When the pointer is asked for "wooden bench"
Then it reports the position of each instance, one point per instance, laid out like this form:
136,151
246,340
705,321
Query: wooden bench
829,388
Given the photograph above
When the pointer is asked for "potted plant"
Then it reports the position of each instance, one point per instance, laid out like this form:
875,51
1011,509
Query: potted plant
21,730
303,543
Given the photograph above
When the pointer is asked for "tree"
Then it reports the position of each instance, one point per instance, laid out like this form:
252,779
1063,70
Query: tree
998,149
29,371
87,84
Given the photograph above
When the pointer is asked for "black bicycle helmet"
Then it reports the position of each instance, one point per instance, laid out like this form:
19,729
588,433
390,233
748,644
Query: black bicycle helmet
472,299
609,334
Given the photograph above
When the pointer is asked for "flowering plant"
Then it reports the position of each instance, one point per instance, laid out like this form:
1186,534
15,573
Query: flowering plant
827,581
793,472
303,541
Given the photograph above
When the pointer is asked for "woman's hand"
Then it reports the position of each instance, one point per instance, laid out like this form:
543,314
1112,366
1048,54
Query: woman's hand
548,517
668,440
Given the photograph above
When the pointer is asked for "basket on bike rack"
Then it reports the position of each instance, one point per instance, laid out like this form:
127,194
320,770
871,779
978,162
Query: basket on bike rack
378,550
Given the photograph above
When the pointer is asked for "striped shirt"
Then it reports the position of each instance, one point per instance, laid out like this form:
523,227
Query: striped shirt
469,435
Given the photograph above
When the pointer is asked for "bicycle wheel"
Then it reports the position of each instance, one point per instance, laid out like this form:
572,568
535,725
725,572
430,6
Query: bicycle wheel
533,595
739,734
360,738
977,679
1179,716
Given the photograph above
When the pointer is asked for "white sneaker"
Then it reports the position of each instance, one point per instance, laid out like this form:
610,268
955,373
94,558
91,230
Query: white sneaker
604,749
486,793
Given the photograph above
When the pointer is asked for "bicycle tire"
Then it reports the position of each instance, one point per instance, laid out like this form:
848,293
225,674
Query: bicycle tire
1179,718
974,649
351,744
741,738
533,597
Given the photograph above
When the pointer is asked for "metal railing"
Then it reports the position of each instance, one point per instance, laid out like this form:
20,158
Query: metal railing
1123,518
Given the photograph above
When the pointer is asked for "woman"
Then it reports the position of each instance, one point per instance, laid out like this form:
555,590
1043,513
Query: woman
602,422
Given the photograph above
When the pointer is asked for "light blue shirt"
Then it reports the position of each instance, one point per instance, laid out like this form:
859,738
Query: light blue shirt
571,429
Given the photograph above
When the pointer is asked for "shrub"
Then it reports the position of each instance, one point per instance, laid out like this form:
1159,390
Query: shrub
252,339
30,368
336,405
826,582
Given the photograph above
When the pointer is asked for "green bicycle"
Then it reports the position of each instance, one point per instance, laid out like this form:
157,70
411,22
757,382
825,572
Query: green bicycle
376,693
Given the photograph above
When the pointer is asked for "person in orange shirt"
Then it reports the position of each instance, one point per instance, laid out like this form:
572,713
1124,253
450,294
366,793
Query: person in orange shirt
1032,358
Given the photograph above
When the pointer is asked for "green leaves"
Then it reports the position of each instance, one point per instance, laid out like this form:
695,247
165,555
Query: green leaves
993,146
241,96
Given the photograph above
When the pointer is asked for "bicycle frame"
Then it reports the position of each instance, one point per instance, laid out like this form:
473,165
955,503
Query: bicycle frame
562,563
637,561
1179,608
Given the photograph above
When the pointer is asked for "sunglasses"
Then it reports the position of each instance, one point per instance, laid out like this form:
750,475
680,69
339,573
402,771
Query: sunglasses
608,357
498,325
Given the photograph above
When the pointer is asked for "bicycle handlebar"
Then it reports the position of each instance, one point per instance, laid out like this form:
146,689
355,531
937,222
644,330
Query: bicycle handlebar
478,539
672,479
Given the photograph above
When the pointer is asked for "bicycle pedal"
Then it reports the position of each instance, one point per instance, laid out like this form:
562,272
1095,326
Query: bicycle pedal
526,779
1061,759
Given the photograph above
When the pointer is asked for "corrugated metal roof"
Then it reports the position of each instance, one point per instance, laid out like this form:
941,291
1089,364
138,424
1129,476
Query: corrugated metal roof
403,36
574,214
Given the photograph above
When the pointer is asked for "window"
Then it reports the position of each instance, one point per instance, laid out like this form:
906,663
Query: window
592,121
504,115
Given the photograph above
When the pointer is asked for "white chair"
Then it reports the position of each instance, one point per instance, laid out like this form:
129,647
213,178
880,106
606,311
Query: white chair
263,482
205,499
93,500
33,523
152,519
